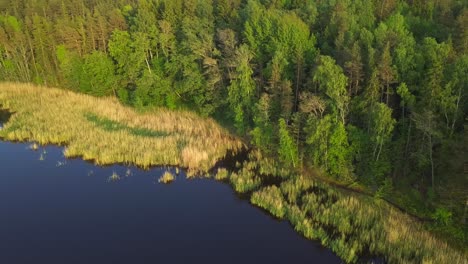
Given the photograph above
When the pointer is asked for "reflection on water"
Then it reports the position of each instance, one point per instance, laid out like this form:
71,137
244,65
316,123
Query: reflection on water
128,173
55,214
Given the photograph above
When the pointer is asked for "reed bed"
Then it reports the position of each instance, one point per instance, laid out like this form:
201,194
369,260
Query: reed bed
105,131
353,225
245,181
350,224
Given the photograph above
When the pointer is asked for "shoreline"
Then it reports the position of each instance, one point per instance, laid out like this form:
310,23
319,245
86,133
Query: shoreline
316,209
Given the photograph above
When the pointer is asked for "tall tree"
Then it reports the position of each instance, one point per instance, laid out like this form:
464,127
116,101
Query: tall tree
287,149
387,74
242,89
331,80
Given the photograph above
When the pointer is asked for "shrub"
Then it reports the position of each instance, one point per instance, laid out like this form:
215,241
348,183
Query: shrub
442,216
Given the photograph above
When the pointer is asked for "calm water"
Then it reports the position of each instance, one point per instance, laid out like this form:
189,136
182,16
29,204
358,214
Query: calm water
54,210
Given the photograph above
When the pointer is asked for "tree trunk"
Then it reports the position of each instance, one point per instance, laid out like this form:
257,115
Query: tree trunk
378,154
388,93
298,75
432,160
452,129
406,147
147,64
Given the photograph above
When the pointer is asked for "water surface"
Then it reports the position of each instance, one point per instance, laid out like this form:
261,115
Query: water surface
54,210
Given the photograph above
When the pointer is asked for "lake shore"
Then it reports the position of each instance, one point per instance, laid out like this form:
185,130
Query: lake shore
106,132
103,130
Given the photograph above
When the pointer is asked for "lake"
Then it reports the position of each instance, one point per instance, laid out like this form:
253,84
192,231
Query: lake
57,210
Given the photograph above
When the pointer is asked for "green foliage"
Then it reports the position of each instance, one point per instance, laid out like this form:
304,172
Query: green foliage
442,216
384,190
287,150
332,82
71,66
98,75
329,145
242,89
381,127
262,134
366,90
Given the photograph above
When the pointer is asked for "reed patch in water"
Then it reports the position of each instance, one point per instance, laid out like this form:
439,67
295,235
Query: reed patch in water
114,177
167,177
222,174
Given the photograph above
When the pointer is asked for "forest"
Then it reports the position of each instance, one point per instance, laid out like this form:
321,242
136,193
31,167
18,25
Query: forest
370,95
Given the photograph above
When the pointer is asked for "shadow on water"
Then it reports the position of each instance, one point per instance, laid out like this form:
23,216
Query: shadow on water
231,160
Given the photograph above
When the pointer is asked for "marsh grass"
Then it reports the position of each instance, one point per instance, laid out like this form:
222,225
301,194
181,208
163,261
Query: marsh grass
221,174
114,177
103,130
34,146
245,181
271,199
167,177
353,225
349,223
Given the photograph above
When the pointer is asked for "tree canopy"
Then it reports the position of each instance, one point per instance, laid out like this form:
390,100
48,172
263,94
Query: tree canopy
368,91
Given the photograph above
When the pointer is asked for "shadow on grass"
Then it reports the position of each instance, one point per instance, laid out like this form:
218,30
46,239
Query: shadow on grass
4,116
110,125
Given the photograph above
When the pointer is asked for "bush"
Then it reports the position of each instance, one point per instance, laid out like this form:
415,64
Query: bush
442,216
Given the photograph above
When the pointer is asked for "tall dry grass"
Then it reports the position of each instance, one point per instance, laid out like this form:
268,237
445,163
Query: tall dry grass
176,138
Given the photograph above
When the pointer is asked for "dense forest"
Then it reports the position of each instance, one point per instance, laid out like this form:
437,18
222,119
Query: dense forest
367,93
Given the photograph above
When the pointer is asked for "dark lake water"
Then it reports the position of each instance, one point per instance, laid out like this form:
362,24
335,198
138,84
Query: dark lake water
54,210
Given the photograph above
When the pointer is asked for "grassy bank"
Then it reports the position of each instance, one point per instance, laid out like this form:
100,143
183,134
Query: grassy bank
349,223
103,130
